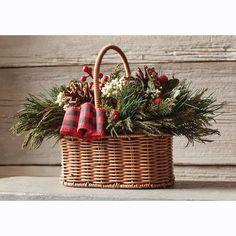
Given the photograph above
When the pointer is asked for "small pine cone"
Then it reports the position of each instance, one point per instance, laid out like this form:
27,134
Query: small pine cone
140,74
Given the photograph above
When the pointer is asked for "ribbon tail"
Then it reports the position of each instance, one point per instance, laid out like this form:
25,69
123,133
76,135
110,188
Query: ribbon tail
86,121
100,123
70,122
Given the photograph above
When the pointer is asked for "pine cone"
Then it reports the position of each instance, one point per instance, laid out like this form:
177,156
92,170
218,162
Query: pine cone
78,93
140,74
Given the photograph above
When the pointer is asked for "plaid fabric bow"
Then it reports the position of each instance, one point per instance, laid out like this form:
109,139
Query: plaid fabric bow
86,122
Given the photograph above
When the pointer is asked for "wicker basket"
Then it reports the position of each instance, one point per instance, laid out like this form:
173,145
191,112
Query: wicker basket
134,161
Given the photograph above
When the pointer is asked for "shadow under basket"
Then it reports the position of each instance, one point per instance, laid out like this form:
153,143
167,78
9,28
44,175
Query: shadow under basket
131,162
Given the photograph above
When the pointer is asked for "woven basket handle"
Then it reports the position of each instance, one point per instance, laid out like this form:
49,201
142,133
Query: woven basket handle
97,69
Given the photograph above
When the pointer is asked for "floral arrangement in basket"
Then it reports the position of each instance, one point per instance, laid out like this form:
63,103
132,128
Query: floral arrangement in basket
146,102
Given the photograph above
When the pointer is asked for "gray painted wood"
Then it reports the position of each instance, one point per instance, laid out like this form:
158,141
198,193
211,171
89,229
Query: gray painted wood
29,63
49,188
76,50
182,173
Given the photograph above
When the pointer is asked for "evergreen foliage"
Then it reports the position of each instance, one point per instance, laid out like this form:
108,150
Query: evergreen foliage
40,118
147,103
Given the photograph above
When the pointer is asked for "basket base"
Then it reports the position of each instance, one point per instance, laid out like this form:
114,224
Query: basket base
119,186
134,162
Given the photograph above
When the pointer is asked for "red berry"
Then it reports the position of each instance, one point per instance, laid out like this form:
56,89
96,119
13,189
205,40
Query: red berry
83,78
87,70
105,79
100,75
90,71
115,115
163,79
90,85
157,100
101,85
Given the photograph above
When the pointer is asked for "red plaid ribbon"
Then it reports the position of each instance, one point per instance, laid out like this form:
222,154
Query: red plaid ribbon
86,122
70,122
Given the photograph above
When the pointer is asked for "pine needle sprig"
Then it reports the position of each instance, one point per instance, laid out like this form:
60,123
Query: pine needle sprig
39,119
131,100
117,72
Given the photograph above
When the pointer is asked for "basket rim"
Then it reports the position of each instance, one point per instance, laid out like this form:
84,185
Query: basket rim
117,137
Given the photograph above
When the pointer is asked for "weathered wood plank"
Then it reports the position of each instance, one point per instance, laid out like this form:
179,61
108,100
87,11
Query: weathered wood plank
49,188
205,173
219,77
25,51
42,171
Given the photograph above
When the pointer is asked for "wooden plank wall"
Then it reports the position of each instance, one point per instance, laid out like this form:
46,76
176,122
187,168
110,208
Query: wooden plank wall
29,63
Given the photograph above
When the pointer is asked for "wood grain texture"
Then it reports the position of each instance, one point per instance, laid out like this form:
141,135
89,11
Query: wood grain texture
182,173
27,64
48,188
26,51
30,170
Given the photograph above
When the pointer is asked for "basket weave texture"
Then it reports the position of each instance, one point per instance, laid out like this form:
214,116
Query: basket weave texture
134,161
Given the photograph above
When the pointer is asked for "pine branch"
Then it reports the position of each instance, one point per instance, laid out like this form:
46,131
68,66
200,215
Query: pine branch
39,119
190,114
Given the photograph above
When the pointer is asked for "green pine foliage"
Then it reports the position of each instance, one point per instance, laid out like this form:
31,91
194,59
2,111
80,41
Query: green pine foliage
40,118
117,72
179,111
190,114
130,102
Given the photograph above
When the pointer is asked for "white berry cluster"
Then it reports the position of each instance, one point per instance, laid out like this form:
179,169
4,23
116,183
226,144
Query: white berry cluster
60,99
154,93
112,88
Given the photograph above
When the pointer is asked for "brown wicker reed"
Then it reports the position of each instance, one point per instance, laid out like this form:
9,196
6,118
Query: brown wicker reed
134,161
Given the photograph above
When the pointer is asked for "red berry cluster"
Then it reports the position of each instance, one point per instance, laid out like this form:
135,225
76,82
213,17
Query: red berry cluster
150,73
87,70
162,80
157,100
115,115
103,78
